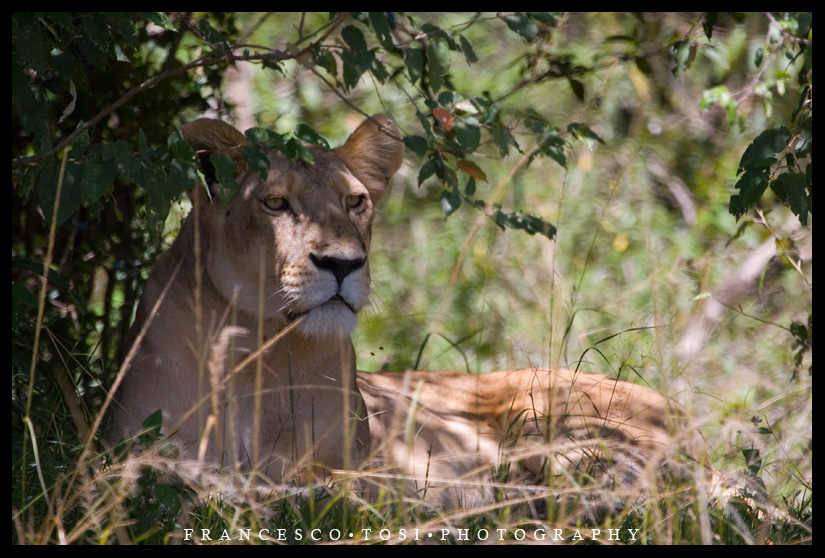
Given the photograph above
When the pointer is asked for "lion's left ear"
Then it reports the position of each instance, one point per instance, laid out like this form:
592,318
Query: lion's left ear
206,136
373,153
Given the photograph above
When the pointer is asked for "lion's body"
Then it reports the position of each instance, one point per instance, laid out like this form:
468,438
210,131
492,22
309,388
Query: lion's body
288,259
532,425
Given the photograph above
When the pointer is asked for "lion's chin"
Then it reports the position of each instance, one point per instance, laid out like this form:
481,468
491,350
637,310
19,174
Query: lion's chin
330,320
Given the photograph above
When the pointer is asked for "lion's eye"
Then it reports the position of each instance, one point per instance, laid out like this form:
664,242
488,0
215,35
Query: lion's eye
355,202
274,203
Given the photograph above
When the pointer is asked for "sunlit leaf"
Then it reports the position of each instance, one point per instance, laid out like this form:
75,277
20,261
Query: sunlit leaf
522,25
472,169
444,117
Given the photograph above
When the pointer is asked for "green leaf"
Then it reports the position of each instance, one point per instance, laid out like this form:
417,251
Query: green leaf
708,22
310,136
804,23
522,25
467,49
354,38
381,27
577,87
55,279
414,61
127,162
302,153
438,63
24,295
448,99
256,158
417,144
545,17
151,426
643,65
450,201
69,195
328,62
380,71
751,186
757,58
794,192
260,135
121,23
225,175
470,188
32,108
503,138
584,133
355,64
158,200
805,147
760,154
158,18
529,223
681,56
179,148
99,174
95,42
429,168
467,133
27,40
210,33
798,330
436,33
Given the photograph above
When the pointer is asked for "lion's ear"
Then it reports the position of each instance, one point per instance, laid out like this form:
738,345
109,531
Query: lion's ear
373,153
207,136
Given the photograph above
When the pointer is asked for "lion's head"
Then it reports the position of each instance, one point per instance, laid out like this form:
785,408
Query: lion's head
290,247
305,229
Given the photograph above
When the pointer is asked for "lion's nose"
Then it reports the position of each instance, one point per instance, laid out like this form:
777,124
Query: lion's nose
339,267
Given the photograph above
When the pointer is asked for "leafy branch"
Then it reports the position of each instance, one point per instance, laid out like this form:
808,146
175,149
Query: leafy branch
228,57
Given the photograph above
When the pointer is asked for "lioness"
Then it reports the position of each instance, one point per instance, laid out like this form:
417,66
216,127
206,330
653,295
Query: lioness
242,340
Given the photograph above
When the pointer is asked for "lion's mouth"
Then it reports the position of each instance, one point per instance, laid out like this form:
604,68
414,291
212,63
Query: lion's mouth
337,299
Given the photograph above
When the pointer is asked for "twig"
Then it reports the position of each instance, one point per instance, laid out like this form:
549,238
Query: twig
301,28
729,307
254,27
785,34
334,23
354,106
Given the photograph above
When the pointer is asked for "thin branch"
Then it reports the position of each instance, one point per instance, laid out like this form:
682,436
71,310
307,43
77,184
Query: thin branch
739,309
785,34
301,28
334,23
254,27
354,106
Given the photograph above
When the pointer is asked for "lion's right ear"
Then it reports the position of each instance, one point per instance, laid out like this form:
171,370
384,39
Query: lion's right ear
373,153
207,136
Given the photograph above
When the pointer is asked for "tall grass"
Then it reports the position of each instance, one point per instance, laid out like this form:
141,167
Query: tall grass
611,294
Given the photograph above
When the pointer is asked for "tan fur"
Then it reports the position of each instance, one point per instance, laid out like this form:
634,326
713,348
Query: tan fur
446,432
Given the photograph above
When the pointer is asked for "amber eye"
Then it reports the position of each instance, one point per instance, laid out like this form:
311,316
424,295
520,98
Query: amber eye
355,202
274,203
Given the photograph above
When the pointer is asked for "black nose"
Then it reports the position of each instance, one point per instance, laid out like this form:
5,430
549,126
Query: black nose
339,267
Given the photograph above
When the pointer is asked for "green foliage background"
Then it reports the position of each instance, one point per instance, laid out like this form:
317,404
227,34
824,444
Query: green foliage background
566,201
